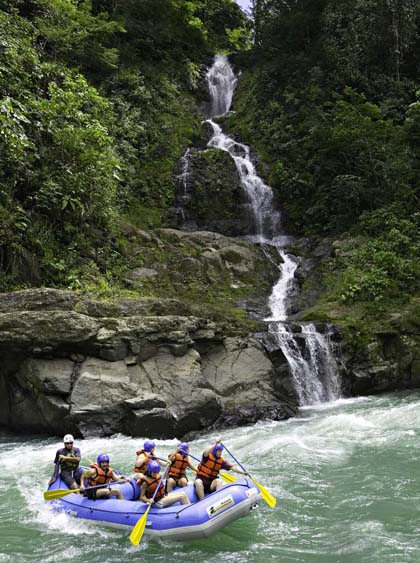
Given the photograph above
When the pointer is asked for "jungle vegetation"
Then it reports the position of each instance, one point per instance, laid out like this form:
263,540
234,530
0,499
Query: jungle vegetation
330,96
98,100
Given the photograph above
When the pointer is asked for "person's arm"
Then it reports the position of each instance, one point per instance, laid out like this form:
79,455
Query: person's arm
191,466
75,458
143,496
141,458
237,469
70,458
208,450
86,473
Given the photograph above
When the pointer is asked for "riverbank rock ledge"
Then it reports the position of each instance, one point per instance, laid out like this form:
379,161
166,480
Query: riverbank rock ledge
70,364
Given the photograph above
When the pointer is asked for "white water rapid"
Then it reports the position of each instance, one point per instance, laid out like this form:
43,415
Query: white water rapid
311,362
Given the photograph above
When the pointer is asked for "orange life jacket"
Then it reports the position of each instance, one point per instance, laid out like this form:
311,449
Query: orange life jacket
179,466
143,467
210,467
152,485
102,477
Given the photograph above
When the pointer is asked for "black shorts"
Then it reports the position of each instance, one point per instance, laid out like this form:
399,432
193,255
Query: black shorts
176,479
207,484
90,494
68,477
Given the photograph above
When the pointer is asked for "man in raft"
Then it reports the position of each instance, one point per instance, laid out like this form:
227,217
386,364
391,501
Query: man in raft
208,480
179,462
144,455
68,458
151,481
100,473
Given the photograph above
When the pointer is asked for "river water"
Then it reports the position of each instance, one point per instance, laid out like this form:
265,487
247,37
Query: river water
344,473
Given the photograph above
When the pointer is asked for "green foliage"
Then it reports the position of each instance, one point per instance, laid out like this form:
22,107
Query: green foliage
385,267
96,108
59,165
328,96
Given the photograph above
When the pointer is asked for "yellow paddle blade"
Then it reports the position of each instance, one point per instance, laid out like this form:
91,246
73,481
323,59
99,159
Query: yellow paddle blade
138,530
268,497
228,478
58,493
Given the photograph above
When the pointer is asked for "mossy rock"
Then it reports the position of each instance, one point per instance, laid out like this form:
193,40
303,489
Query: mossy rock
215,200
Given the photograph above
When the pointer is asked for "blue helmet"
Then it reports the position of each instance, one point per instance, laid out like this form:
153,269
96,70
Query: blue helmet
101,458
148,446
184,447
216,448
153,467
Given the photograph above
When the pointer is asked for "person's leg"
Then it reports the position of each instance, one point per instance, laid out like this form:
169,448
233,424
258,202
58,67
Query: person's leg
67,477
117,494
199,488
103,493
183,482
172,499
216,484
170,484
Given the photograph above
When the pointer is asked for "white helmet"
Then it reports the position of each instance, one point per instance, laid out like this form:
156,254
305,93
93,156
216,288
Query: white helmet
68,438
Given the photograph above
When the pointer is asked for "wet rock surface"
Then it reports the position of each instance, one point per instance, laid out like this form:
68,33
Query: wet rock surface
68,368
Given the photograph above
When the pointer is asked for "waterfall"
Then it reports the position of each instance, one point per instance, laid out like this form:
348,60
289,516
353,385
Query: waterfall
184,196
221,82
259,195
311,362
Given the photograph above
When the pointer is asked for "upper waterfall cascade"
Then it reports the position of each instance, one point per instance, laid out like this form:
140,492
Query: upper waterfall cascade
221,82
311,362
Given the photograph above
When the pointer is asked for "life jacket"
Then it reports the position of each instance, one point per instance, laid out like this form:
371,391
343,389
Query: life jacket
143,467
68,465
179,466
102,477
209,467
152,485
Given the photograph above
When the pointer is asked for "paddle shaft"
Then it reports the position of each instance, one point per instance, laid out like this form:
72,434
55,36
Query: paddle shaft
104,486
54,474
160,481
266,495
235,460
138,530
194,458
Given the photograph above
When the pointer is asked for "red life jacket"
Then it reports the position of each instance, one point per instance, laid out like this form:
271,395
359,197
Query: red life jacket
210,467
102,477
143,467
179,466
152,485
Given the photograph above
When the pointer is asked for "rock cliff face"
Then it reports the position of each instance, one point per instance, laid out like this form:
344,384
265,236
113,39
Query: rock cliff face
210,197
71,364
388,361
378,355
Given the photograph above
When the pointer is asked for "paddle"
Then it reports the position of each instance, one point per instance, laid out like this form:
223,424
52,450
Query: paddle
268,497
54,474
138,530
225,476
59,493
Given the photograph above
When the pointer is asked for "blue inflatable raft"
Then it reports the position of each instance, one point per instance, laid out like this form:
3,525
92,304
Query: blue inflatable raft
200,519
